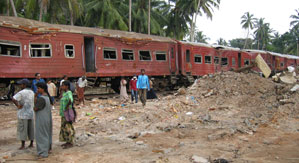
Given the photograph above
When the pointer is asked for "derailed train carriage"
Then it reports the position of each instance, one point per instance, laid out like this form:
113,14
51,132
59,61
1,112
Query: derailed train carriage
28,46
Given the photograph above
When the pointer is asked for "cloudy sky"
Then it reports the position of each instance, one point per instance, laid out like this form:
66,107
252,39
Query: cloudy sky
226,21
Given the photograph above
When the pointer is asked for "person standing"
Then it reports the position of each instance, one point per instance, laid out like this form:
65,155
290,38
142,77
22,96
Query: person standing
64,78
24,100
81,84
52,91
143,86
133,87
67,131
151,93
123,90
35,81
43,121
11,89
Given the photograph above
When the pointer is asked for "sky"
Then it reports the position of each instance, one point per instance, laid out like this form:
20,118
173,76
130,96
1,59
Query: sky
226,22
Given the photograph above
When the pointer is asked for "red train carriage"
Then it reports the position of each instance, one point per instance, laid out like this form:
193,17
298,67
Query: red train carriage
28,46
196,59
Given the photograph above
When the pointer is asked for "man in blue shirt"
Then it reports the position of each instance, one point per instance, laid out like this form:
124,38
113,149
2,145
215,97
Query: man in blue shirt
36,80
143,86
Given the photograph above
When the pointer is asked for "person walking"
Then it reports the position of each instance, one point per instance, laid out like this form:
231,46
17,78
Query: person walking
43,121
24,100
123,90
133,88
151,94
52,92
67,131
143,86
35,81
81,84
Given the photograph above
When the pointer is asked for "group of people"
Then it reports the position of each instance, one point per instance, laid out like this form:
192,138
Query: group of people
141,86
38,99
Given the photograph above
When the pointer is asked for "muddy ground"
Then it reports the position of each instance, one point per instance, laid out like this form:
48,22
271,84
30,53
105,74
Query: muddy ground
236,117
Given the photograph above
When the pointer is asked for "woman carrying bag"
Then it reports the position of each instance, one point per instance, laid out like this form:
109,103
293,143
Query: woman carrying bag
67,131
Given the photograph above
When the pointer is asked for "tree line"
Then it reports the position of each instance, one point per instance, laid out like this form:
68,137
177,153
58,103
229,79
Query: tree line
169,18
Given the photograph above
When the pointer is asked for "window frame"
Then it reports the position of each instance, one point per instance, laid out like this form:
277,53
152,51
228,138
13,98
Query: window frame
210,59
12,43
227,61
74,53
233,61
245,62
149,54
106,48
161,52
127,59
50,47
198,55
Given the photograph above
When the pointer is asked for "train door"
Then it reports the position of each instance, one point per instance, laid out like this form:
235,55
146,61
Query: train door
173,59
239,60
188,61
89,54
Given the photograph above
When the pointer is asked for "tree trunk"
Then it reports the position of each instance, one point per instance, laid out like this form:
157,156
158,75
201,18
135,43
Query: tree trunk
13,8
193,30
130,15
246,39
149,18
297,47
71,12
41,10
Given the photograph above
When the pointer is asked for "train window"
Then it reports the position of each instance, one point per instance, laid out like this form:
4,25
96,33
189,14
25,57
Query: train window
197,58
246,62
40,50
224,61
109,53
172,53
187,55
10,49
160,55
281,64
127,54
216,60
233,61
145,56
208,59
69,51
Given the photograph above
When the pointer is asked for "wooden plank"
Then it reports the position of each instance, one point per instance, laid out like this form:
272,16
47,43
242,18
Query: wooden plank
262,65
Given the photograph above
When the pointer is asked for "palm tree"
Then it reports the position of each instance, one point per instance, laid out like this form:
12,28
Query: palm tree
295,28
149,18
221,41
295,22
130,15
202,7
247,21
262,33
13,8
200,37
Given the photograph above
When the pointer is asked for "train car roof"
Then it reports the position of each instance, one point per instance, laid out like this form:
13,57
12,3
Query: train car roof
196,44
36,27
225,47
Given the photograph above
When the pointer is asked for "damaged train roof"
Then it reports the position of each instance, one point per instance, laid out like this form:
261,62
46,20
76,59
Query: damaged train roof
36,27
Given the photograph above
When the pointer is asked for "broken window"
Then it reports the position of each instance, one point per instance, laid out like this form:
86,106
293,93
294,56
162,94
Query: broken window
208,59
10,49
187,55
216,60
109,53
233,61
127,54
160,55
145,56
224,62
69,51
197,58
40,50
281,64
246,62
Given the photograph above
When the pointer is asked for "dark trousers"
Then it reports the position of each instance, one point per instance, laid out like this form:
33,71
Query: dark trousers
134,95
142,95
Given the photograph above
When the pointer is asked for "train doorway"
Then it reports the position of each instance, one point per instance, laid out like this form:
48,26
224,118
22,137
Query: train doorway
89,54
239,60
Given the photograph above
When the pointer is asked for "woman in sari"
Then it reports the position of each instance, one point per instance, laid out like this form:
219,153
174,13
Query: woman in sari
43,120
67,131
123,90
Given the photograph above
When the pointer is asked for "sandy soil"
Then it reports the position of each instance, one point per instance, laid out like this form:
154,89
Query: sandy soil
230,116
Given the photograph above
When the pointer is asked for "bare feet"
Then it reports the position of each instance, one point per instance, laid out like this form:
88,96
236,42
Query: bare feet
22,147
30,146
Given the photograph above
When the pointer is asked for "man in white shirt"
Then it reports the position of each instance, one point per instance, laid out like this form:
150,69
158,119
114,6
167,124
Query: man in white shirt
81,84
24,100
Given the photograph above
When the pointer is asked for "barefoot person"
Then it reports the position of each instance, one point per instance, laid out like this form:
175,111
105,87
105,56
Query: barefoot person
43,121
24,100
81,84
67,131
